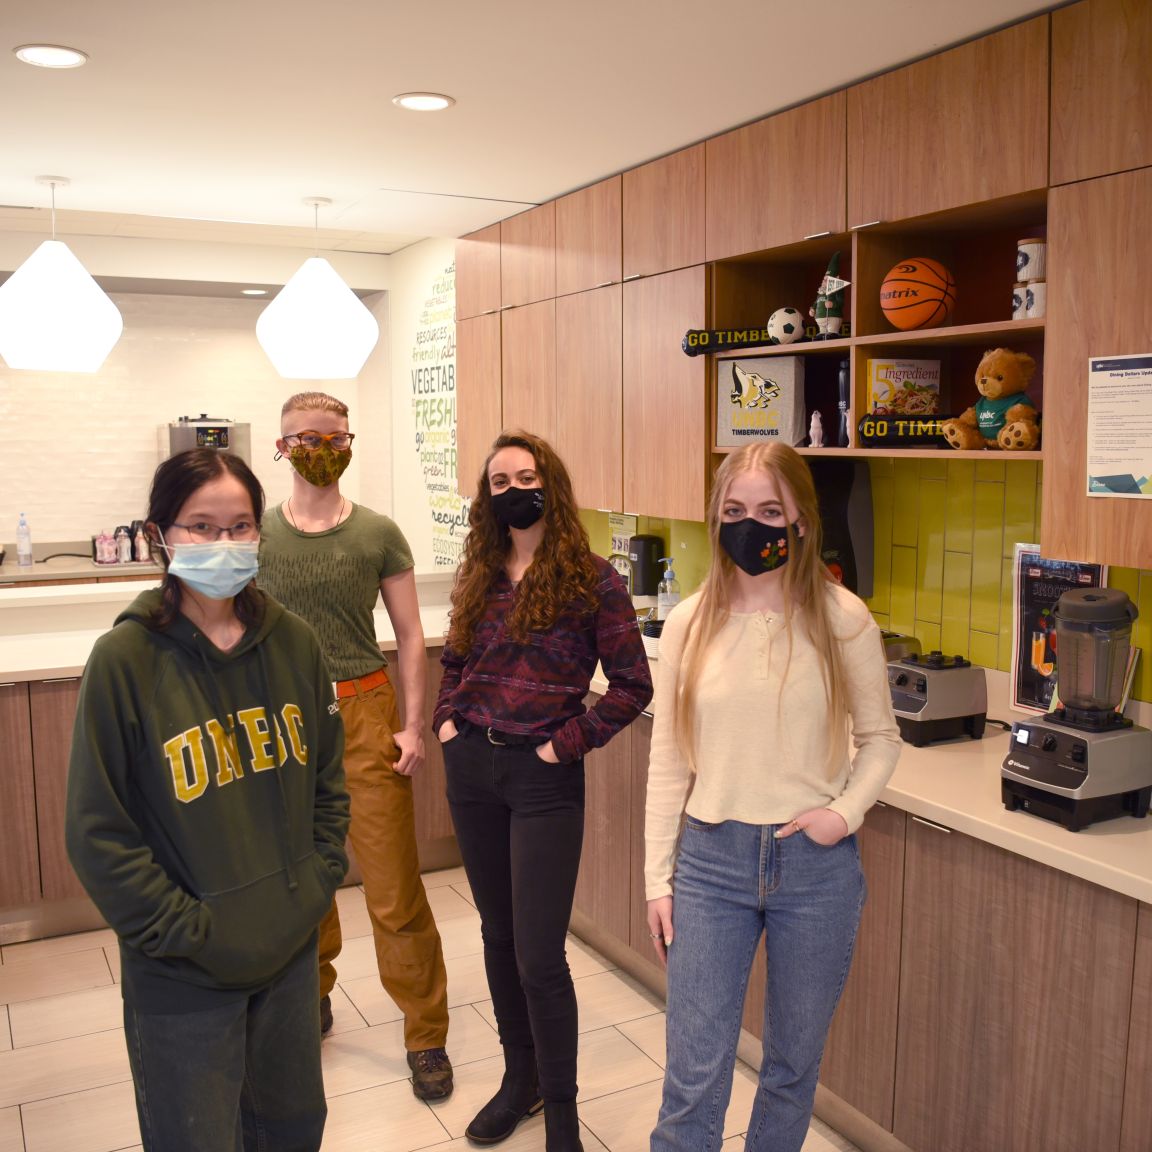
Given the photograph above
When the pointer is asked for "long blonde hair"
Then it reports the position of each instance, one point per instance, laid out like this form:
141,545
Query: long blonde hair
805,582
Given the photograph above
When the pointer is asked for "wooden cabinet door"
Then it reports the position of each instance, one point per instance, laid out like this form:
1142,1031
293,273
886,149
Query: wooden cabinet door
1011,973
640,732
963,126
1101,88
776,181
665,396
664,214
588,238
589,394
528,256
1136,1134
53,709
528,354
478,273
1099,244
433,819
602,891
19,861
860,1058
478,397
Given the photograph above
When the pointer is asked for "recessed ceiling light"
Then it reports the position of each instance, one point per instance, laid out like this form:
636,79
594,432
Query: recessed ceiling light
51,55
423,101
253,291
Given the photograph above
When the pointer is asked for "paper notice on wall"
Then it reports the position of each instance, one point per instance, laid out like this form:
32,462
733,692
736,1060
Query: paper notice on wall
1120,426
621,527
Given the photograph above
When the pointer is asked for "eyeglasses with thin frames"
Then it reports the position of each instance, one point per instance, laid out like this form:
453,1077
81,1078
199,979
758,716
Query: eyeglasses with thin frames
243,531
340,441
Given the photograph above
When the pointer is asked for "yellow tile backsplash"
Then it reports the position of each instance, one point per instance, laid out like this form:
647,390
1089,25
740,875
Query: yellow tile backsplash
945,533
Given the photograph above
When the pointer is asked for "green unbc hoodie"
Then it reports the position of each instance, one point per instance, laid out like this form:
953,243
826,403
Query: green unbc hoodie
206,805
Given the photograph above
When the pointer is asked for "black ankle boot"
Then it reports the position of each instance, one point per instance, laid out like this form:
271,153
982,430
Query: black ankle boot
561,1127
517,1098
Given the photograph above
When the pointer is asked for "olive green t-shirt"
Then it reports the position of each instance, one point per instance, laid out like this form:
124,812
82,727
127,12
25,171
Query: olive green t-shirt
332,579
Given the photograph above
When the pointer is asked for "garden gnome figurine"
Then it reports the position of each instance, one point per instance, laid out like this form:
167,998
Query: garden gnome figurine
828,311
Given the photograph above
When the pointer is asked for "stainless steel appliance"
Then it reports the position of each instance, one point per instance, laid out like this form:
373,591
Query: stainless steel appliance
938,697
206,431
897,645
1084,761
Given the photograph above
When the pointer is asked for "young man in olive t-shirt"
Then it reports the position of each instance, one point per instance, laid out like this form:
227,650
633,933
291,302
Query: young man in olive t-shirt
327,560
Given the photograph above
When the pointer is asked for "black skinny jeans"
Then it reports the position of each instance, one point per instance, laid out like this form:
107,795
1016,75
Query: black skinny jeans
520,825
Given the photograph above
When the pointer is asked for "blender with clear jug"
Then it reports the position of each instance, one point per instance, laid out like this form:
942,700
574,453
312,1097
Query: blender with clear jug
1084,761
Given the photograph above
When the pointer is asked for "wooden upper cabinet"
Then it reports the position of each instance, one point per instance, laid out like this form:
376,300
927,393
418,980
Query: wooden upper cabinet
665,396
588,237
529,360
1101,88
664,214
528,256
1099,246
966,125
589,394
479,415
478,273
776,181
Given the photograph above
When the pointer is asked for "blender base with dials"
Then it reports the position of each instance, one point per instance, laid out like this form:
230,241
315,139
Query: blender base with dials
1077,775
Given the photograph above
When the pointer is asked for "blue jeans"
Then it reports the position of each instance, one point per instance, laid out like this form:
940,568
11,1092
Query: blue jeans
242,1077
733,882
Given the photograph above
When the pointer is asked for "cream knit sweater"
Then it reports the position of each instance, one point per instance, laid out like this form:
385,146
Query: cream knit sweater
762,736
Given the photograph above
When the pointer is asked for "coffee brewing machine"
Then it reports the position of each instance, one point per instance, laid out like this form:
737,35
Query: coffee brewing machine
1084,761
937,697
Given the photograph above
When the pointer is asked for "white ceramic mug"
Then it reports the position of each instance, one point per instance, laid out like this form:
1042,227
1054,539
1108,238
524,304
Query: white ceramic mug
1031,258
1036,299
1019,301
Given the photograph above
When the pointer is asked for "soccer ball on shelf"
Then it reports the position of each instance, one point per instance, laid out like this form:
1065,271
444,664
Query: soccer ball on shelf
785,326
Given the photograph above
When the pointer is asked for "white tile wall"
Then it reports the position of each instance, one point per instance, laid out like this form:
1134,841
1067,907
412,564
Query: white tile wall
79,451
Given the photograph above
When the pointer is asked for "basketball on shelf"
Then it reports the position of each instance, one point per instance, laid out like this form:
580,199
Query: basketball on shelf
918,293
785,326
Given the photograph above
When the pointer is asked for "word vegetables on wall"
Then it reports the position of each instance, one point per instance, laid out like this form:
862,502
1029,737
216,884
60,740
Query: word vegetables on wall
433,376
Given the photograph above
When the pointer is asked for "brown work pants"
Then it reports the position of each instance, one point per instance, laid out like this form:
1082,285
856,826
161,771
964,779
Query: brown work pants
383,837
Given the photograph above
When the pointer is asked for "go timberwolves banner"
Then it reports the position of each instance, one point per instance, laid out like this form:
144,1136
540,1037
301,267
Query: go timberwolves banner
699,341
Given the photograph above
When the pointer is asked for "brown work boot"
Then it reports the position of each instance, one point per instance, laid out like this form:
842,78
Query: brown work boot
431,1073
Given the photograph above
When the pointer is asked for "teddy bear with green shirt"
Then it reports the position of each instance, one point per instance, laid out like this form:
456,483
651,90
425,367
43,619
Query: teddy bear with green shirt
1003,417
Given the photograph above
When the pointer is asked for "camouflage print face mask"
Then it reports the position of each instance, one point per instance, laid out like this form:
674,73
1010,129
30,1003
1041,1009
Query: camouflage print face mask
320,466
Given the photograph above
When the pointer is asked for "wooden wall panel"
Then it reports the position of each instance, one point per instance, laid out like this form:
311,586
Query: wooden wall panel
478,273
664,214
19,859
529,368
478,396
528,256
588,238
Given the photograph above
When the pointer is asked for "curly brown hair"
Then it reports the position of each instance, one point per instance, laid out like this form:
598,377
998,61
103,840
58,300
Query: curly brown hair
562,571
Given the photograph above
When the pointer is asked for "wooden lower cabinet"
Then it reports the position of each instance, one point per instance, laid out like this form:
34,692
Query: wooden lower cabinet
19,860
1015,990
53,711
1136,1132
641,734
433,820
860,1057
602,889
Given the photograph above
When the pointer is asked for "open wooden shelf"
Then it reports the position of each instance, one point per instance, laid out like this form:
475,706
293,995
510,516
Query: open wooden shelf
908,453
958,334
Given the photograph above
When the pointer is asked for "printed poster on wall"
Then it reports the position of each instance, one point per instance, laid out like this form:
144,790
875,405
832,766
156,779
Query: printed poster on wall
1037,583
1120,426
433,373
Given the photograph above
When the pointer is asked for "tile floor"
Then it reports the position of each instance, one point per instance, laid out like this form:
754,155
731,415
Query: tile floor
65,1084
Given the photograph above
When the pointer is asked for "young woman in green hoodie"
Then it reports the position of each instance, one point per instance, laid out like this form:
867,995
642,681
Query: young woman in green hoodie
206,819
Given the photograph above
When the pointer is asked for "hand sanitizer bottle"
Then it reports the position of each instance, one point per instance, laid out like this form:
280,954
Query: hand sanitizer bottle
668,593
23,542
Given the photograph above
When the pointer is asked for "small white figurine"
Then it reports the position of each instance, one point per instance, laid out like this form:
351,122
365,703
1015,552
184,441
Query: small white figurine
816,430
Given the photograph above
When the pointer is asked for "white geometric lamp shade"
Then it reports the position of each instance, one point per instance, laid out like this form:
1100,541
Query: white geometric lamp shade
316,328
54,317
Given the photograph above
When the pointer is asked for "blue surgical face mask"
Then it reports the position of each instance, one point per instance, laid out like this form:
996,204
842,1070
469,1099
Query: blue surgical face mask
219,570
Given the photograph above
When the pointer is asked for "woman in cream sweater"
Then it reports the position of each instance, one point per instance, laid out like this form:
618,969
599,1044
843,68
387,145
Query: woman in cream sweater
763,672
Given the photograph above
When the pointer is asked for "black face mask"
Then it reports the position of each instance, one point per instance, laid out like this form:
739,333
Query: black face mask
518,507
756,548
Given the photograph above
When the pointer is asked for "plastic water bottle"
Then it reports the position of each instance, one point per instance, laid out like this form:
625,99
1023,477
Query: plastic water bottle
23,543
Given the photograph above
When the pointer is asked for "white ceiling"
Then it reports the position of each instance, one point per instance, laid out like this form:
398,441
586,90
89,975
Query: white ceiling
213,119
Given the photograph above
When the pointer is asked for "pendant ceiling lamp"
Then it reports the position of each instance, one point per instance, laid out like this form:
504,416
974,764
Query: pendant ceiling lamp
53,316
316,328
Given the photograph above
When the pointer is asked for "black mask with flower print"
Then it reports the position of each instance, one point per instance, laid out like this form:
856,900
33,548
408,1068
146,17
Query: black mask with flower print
756,548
